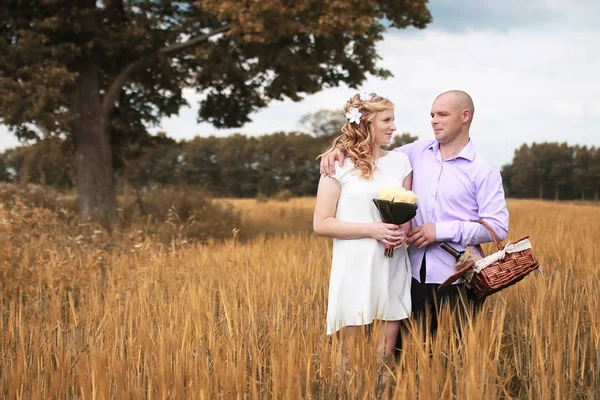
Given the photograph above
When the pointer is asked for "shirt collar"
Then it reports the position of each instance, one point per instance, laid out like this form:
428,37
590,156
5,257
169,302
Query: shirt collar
467,152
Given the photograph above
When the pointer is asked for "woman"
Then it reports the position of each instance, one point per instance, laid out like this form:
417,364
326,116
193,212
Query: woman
364,285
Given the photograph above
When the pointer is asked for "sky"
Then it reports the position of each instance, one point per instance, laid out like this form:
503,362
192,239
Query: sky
531,68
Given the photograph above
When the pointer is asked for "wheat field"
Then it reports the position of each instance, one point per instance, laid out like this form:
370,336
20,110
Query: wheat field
246,319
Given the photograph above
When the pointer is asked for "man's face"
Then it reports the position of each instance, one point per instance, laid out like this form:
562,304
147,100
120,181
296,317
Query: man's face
383,127
446,119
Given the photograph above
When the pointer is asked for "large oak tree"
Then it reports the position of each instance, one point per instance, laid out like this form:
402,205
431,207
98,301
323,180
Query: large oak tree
102,71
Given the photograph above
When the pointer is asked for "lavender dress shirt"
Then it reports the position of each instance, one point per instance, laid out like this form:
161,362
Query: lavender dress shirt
453,194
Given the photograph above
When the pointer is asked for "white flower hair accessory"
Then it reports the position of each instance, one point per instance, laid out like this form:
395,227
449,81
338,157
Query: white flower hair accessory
365,96
354,116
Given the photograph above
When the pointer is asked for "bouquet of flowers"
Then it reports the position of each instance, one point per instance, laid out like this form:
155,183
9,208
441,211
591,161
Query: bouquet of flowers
396,205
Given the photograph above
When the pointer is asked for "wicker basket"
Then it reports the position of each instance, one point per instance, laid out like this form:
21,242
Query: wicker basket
505,267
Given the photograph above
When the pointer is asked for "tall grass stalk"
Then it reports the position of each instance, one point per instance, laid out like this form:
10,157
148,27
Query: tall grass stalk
247,319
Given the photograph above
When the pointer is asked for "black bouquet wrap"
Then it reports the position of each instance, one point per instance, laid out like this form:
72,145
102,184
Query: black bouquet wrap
394,213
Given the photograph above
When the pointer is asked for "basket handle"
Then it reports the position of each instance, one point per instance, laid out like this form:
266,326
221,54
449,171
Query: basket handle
491,231
457,275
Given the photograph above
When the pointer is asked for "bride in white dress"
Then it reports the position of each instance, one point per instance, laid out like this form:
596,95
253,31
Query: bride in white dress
364,285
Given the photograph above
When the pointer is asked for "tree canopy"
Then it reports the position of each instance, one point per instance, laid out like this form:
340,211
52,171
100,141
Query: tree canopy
324,123
553,171
101,72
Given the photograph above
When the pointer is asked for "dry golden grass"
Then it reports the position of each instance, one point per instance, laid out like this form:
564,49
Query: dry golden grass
247,319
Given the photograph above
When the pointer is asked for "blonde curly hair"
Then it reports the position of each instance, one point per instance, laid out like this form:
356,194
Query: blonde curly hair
358,140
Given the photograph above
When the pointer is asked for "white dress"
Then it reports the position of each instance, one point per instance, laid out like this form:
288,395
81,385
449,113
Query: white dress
364,285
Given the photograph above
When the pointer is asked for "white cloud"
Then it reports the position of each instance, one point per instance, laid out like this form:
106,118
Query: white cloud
7,140
494,15
527,87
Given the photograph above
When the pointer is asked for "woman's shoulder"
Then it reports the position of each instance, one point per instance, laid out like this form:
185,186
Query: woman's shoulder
396,157
397,162
342,170
348,164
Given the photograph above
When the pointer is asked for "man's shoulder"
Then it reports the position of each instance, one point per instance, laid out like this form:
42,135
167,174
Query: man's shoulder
483,169
421,143
424,143
416,146
481,162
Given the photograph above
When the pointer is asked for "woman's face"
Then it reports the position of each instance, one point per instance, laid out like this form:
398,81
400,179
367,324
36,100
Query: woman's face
383,127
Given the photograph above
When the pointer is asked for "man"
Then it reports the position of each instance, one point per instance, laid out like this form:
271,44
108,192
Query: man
456,187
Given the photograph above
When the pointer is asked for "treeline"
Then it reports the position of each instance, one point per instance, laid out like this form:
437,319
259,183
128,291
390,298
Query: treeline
233,166
236,166
553,171
243,166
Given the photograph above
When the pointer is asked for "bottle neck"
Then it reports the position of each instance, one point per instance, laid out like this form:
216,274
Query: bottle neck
451,250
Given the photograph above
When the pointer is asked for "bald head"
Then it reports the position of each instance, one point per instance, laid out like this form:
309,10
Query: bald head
459,99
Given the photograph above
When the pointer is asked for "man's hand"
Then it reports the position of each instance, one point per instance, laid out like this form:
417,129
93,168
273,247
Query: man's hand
422,235
327,166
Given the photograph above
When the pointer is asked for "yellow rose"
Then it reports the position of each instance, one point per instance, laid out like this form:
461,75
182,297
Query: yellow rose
402,195
386,194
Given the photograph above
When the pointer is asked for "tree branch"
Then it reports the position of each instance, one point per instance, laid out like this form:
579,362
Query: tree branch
193,41
113,91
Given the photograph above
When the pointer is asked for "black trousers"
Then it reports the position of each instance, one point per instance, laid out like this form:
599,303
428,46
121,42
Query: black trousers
427,303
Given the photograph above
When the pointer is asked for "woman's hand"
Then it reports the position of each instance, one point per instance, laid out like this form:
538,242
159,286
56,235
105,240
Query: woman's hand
388,234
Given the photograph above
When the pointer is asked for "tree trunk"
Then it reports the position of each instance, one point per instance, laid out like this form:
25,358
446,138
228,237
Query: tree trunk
596,194
556,192
582,194
541,191
94,179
